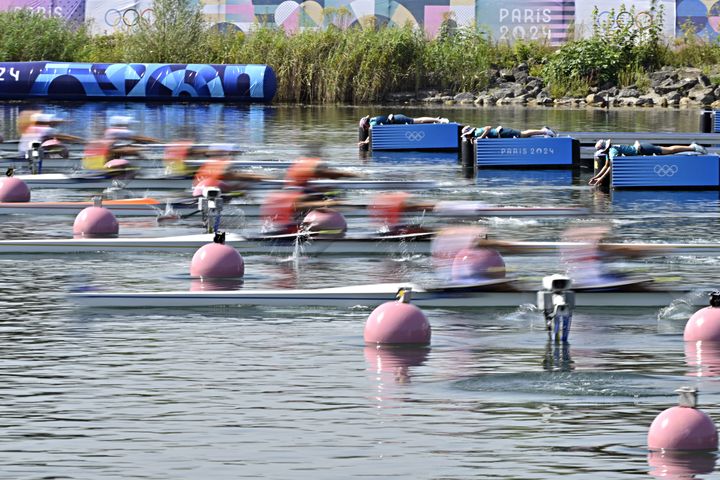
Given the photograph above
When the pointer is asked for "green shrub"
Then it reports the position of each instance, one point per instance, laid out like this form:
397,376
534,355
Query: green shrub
27,36
611,50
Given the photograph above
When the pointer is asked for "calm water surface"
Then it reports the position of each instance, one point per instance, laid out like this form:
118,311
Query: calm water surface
294,393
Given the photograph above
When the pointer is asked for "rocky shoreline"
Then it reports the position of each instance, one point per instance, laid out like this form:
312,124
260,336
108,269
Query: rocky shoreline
668,87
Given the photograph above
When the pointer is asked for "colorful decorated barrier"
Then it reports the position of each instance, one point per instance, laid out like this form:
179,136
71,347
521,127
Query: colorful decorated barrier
137,81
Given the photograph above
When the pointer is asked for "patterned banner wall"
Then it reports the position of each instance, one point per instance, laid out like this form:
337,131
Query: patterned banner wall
506,20
638,14
73,10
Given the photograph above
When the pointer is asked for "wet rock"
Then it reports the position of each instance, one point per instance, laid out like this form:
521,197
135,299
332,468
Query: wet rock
686,102
543,99
673,98
518,90
507,75
595,99
501,93
704,96
628,92
400,97
464,96
644,102
628,101
656,99
520,99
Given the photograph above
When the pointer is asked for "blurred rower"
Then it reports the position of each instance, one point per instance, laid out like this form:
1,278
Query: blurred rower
218,172
305,169
586,258
39,132
177,155
122,137
389,210
283,210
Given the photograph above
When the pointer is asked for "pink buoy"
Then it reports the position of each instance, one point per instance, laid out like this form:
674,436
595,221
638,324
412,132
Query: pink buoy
13,190
95,222
477,264
398,322
683,427
217,260
704,325
325,220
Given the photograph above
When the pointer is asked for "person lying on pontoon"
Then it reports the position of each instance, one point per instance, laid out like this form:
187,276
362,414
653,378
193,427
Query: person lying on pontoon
503,132
394,119
606,147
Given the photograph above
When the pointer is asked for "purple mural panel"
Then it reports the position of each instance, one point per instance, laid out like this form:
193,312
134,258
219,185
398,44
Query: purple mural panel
537,20
72,10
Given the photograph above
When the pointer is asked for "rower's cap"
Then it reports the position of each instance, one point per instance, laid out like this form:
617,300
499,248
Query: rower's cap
120,121
44,118
365,122
467,130
602,145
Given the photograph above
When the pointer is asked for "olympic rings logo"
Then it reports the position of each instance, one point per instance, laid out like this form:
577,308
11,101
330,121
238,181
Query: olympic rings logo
129,16
414,136
665,170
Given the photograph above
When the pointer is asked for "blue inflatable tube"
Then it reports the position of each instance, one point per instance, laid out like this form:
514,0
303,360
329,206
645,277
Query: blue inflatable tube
136,81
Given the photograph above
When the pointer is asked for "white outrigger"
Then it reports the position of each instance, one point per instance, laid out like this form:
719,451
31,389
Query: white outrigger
412,244
150,207
316,244
490,294
100,181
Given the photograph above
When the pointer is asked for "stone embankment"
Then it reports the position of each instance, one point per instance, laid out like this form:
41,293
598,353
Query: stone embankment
668,87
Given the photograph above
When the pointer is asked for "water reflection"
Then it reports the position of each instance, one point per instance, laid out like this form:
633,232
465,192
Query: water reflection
215,284
391,365
680,465
703,358
557,357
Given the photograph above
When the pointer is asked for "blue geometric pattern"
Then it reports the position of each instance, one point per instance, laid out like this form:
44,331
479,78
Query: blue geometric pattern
141,81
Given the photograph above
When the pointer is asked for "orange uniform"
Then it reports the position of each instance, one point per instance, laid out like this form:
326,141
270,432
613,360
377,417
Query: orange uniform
212,172
388,208
281,207
302,171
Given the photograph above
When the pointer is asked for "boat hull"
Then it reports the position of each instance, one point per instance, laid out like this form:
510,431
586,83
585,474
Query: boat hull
366,296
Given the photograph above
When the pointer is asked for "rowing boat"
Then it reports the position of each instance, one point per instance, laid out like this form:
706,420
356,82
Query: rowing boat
149,207
371,296
93,181
132,207
411,244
